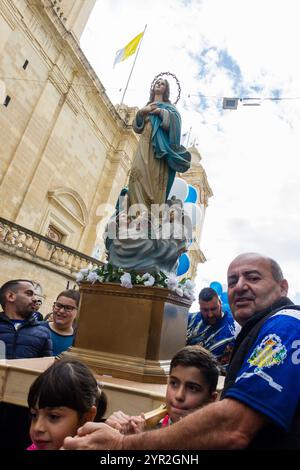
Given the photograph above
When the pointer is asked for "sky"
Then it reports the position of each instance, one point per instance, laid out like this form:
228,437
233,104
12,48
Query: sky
217,48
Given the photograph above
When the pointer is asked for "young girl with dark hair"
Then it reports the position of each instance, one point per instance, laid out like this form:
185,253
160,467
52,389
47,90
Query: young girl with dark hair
61,400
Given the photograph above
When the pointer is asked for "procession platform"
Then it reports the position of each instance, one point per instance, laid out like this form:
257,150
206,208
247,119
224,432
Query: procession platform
16,376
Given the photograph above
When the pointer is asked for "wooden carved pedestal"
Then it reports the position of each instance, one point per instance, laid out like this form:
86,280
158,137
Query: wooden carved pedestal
130,333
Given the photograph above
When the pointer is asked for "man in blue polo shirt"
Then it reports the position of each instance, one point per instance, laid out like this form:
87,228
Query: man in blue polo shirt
211,327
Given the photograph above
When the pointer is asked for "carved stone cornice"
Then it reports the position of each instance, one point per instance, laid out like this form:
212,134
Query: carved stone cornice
45,19
67,38
57,195
58,80
120,157
10,13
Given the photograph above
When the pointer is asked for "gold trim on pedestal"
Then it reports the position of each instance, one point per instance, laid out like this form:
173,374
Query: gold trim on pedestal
125,367
158,293
130,333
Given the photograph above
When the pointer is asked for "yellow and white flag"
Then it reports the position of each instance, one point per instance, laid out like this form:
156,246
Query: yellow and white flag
129,49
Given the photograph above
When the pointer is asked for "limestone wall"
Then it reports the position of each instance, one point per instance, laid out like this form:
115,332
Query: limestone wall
65,149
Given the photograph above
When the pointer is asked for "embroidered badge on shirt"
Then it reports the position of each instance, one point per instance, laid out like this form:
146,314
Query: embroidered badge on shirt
268,353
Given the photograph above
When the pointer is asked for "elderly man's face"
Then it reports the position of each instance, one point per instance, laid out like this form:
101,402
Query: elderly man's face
251,286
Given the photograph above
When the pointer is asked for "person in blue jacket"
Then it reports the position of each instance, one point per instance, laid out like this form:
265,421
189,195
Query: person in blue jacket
21,336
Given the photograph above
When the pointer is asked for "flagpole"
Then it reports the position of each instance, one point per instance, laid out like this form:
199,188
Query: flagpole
133,65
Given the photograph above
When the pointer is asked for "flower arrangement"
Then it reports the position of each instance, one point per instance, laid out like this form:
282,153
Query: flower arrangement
108,273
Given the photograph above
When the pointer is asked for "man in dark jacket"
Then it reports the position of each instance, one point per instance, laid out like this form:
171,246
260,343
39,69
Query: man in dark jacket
23,337
260,406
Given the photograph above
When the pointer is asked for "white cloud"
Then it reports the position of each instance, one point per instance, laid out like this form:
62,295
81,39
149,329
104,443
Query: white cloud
251,155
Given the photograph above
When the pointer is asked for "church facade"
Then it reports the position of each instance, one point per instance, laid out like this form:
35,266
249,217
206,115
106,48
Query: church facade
65,149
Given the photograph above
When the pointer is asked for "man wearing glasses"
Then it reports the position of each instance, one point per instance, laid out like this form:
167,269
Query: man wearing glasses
64,313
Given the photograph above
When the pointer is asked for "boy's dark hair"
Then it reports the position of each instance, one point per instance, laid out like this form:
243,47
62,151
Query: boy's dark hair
207,294
70,383
197,356
10,285
71,294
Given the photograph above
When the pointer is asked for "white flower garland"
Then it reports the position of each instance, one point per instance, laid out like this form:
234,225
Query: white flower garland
107,273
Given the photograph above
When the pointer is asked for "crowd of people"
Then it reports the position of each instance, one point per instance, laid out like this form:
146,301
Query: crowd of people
25,334
24,330
259,404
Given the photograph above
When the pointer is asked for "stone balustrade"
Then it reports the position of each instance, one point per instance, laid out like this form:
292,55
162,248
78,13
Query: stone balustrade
28,244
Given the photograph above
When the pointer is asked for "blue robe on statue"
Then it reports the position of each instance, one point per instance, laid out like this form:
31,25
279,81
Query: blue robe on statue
159,156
